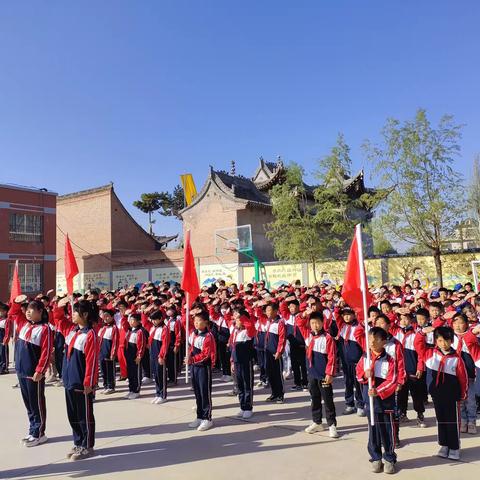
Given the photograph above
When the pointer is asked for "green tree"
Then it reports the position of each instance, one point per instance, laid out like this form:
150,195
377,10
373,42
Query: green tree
316,223
426,200
149,203
381,244
172,203
335,211
294,233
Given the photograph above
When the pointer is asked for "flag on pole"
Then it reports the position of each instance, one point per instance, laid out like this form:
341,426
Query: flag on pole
355,293
71,268
189,189
189,276
16,289
355,288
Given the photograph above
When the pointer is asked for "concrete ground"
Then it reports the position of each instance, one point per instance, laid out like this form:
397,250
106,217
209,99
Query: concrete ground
153,441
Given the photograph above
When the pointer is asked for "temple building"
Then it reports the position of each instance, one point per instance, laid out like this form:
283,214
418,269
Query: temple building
230,200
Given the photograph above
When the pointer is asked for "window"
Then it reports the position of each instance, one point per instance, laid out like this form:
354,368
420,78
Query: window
26,228
30,274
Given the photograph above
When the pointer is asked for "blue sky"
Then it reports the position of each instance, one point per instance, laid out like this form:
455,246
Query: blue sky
140,92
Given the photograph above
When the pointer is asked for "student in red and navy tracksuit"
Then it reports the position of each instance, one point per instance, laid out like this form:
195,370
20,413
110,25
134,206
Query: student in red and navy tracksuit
79,373
275,338
201,357
466,345
289,309
447,384
399,336
158,343
174,324
135,348
383,373
242,357
32,355
221,318
4,338
108,337
321,359
351,335
411,375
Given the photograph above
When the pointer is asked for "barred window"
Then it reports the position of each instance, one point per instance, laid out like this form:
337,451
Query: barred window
26,228
30,275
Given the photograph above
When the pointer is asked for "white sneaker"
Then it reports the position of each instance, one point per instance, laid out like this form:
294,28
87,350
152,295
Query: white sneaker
332,431
146,381
443,452
247,414
127,396
160,400
240,413
195,424
133,396
154,400
256,368
360,412
454,454
109,391
205,425
315,427
26,438
194,408
228,378
33,442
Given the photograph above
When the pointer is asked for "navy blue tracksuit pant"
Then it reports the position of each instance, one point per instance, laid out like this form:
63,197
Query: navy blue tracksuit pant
274,370
261,365
159,372
134,371
80,416
244,376
107,367
3,357
351,385
447,411
202,386
382,434
33,394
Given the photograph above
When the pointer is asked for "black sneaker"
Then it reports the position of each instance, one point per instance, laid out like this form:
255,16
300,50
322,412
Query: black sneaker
271,398
296,388
279,400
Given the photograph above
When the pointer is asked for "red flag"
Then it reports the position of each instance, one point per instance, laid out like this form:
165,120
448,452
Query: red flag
16,289
352,285
71,268
189,275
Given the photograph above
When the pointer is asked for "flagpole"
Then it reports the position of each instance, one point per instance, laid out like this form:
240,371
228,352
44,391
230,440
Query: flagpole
187,324
358,233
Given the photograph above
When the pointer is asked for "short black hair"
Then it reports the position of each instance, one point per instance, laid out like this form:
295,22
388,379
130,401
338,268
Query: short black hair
384,318
423,312
444,332
316,316
461,316
157,315
203,315
378,333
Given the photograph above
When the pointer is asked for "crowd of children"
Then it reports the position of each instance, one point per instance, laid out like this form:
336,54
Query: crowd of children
415,342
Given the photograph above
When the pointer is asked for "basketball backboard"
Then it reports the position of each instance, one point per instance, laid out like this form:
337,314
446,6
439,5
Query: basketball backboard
233,239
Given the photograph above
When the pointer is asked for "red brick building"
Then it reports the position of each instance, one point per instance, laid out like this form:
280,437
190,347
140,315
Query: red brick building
28,221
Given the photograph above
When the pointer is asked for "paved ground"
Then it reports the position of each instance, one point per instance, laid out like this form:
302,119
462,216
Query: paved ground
135,438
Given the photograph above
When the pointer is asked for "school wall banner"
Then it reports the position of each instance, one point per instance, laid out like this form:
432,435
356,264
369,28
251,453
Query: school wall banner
98,280
173,274
211,273
61,284
125,278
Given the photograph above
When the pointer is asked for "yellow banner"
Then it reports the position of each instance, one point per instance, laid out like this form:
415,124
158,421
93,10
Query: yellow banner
189,189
